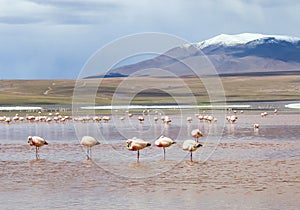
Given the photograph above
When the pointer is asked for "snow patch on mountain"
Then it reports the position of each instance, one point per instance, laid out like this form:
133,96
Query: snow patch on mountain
244,38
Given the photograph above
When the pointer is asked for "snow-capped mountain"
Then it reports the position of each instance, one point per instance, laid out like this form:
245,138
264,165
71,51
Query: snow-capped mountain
244,38
228,53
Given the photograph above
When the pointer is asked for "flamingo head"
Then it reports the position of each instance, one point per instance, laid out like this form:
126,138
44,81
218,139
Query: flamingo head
29,140
128,143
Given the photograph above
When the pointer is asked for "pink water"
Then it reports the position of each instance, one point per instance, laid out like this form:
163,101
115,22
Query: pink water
218,179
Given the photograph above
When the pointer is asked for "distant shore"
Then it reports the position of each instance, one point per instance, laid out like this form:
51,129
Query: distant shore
238,89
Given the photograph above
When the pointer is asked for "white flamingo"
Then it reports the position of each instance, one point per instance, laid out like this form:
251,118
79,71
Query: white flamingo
191,146
49,119
167,120
89,142
2,119
106,118
8,120
16,117
264,114
232,118
196,133
189,119
209,118
141,119
97,119
136,144
37,142
200,117
256,126
164,142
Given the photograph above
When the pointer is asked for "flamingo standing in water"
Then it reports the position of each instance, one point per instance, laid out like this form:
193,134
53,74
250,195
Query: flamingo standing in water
191,146
89,142
196,133
136,144
141,119
37,142
189,119
256,126
164,142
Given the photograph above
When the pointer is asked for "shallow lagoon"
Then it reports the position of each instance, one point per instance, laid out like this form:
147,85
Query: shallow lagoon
238,167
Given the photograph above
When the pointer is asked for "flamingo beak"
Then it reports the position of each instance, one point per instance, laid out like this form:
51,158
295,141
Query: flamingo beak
127,144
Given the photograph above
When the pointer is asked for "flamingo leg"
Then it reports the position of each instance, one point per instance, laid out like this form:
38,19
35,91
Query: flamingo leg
87,154
90,152
164,153
138,155
191,157
37,153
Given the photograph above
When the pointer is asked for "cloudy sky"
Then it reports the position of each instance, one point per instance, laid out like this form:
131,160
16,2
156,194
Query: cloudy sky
43,39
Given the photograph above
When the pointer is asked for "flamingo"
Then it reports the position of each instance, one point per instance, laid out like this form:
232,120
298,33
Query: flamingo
97,119
167,120
56,119
256,126
264,114
141,119
233,118
136,144
209,118
191,146
37,142
189,119
201,117
49,119
8,120
196,133
89,142
164,142
2,119
106,118
16,117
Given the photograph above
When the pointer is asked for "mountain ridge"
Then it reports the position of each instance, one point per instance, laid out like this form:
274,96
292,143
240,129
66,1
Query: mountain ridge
243,38
227,53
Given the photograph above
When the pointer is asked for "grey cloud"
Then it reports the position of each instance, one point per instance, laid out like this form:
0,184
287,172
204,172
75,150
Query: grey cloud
19,20
271,3
79,5
60,12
